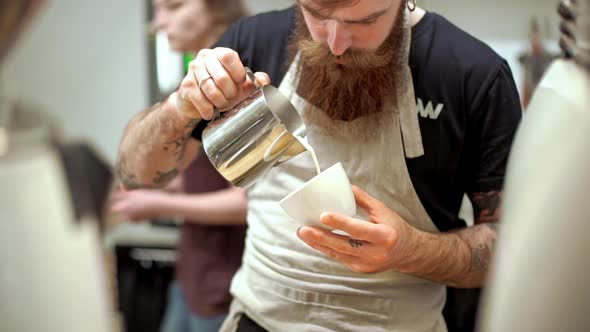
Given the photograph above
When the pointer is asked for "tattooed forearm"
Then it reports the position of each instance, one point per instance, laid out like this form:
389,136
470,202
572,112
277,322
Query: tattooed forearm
476,248
486,208
154,140
165,177
481,255
146,112
128,179
482,240
177,146
475,252
459,258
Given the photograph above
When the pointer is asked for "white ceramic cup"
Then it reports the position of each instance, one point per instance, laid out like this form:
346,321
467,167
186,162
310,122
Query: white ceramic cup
330,191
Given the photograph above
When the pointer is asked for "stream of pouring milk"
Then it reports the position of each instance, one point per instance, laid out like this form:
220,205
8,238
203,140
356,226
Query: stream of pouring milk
305,143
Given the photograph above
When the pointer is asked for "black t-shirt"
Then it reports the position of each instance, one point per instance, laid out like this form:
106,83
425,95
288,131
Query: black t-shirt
467,103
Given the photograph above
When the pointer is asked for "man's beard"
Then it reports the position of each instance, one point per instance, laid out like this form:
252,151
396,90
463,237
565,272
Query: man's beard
359,86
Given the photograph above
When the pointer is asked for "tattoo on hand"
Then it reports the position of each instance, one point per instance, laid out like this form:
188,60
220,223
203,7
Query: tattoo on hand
355,243
164,177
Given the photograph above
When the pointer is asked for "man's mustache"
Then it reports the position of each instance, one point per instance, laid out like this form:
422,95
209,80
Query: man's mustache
317,54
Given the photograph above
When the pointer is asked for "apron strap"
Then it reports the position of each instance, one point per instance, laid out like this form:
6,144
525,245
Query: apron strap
406,100
408,117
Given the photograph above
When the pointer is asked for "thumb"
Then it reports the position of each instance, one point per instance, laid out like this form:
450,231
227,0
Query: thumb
262,79
364,200
247,87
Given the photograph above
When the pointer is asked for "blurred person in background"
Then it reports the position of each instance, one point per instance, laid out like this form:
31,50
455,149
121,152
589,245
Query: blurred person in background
417,111
214,212
535,61
15,17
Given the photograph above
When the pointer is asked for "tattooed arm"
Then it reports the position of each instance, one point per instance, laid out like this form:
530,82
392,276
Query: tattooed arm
460,258
156,146
157,143
481,238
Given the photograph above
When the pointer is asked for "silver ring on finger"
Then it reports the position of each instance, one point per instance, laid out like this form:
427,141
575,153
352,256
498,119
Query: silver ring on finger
201,82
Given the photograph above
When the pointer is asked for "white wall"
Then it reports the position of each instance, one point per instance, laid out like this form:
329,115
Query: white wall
496,19
502,24
84,61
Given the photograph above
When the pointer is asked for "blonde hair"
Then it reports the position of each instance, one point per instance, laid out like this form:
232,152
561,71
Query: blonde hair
14,17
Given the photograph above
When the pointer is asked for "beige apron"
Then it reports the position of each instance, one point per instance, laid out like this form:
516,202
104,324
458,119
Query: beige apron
285,285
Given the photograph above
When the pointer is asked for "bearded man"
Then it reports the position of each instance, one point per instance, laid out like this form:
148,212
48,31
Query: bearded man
417,111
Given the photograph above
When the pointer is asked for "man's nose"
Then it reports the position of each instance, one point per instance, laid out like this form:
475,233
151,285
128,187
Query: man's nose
339,39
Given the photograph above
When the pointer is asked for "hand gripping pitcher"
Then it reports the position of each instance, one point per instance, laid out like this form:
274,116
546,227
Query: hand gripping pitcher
257,134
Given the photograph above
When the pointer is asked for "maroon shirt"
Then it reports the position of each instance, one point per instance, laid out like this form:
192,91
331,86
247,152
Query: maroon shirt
208,256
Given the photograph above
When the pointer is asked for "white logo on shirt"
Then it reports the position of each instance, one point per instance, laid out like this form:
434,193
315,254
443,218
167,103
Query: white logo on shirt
429,111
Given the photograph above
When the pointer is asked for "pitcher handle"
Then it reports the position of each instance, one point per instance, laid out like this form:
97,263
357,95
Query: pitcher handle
249,75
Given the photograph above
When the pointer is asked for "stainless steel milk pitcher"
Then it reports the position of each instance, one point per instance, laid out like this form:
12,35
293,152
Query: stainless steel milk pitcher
255,135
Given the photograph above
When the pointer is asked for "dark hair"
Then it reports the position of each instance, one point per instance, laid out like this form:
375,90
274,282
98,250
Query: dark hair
330,5
226,12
